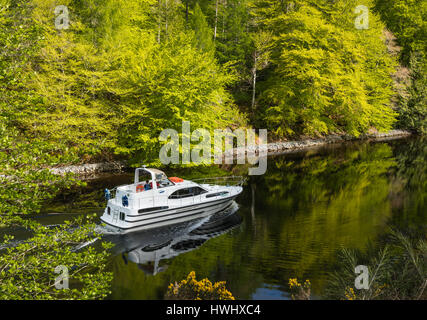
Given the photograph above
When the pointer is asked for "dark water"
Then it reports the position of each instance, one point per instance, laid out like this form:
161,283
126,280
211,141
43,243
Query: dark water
290,223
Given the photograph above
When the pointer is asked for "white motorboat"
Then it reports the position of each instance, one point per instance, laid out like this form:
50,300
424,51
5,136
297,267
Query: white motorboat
156,200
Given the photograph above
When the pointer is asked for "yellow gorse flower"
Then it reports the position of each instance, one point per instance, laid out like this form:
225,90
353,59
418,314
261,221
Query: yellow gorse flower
293,282
190,288
350,294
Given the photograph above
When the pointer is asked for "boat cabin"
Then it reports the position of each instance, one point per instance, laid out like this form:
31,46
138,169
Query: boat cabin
149,179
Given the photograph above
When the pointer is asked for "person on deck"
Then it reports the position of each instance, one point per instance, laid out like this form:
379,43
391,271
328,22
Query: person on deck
147,186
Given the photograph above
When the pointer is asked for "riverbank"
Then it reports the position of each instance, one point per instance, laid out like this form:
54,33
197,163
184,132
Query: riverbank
92,168
279,147
272,148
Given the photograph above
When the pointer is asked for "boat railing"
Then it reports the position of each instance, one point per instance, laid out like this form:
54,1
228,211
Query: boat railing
113,191
225,180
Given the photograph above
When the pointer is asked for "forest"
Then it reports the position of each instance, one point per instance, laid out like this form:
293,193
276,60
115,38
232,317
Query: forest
100,80
122,71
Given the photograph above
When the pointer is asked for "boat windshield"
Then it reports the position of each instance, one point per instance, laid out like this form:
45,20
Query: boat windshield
163,181
160,176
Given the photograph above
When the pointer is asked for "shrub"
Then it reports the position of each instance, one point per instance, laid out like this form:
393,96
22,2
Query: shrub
300,291
191,289
397,270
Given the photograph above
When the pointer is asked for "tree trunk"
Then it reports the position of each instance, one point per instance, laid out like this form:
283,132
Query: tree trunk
254,81
186,11
160,21
224,4
216,19
166,19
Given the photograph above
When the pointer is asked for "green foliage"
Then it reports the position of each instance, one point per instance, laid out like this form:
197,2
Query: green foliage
81,94
18,38
191,289
233,39
125,70
413,109
407,19
22,162
164,85
202,33
27,269
329,76
234,44
397,270
99,90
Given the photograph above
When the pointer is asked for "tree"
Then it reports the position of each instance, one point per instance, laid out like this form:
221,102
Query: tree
164,85
234,46
407,20
261,56
413,109
202,33
27,268
328,76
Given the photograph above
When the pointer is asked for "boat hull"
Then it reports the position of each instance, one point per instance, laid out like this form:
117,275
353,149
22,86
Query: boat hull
166,217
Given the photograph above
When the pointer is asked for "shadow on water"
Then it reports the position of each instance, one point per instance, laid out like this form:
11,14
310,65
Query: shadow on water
293,220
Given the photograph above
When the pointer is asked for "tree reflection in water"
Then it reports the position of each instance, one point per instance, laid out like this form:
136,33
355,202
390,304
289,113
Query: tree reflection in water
295,217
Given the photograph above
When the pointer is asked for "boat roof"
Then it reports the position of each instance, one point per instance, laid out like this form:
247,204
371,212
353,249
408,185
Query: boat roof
154,170
151,170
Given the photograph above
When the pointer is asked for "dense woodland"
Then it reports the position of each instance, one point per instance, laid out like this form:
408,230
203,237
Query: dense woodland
124,70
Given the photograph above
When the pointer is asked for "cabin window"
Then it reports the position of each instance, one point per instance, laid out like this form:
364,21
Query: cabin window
222,193
108,210
181,193
187,192
198,190
122,216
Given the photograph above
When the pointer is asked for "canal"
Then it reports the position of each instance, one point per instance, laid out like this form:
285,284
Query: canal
288,223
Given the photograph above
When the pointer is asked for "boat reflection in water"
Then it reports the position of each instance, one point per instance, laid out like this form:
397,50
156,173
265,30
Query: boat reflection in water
147,248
